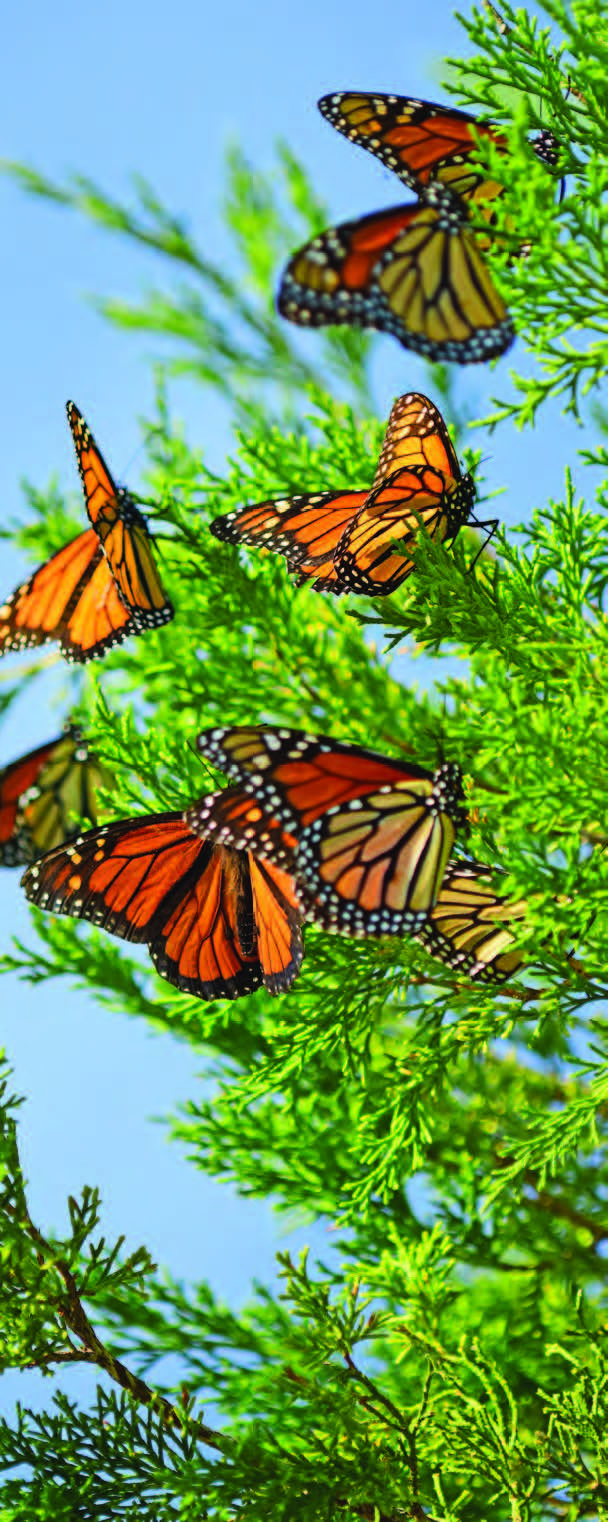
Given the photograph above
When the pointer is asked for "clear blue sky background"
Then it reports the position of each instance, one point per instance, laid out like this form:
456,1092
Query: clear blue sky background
161,91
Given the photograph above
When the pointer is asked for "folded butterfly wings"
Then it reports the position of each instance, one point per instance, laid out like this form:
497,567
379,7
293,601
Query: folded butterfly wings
121,530
100,587
469,926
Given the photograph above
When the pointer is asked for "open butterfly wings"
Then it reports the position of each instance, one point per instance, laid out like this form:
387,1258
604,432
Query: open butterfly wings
469,925
342,541
216,922
412,271
373,835
42,793
415,271
100,587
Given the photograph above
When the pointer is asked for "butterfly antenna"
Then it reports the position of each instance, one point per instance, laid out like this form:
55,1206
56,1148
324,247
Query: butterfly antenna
205,765
491,524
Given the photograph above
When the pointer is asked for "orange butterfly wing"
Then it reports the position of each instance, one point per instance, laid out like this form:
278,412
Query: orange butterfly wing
234,819
366,561
413,271
416,436
305,529
375,867
121,530
98,619
277,914
98,485
414,138
207,945
41,609
420,140
152,880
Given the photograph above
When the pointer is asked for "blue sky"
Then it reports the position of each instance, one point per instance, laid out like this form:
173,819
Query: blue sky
161,92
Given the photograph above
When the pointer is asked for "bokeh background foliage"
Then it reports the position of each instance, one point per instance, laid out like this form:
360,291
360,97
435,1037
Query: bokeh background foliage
447,1359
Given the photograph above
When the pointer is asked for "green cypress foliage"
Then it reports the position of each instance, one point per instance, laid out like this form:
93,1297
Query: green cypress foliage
449,1360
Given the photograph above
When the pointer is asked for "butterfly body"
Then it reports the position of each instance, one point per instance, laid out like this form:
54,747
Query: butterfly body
369,837
217,922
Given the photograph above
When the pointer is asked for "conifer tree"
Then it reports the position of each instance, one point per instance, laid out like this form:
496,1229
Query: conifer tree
449,1360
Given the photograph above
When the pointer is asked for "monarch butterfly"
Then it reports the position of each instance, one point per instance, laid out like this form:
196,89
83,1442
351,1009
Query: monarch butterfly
415,271
217,921
368,837
41,791
100,587
469,925
342,541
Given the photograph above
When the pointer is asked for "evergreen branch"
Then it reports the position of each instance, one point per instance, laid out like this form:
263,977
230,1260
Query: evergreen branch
90,1349
71,1311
